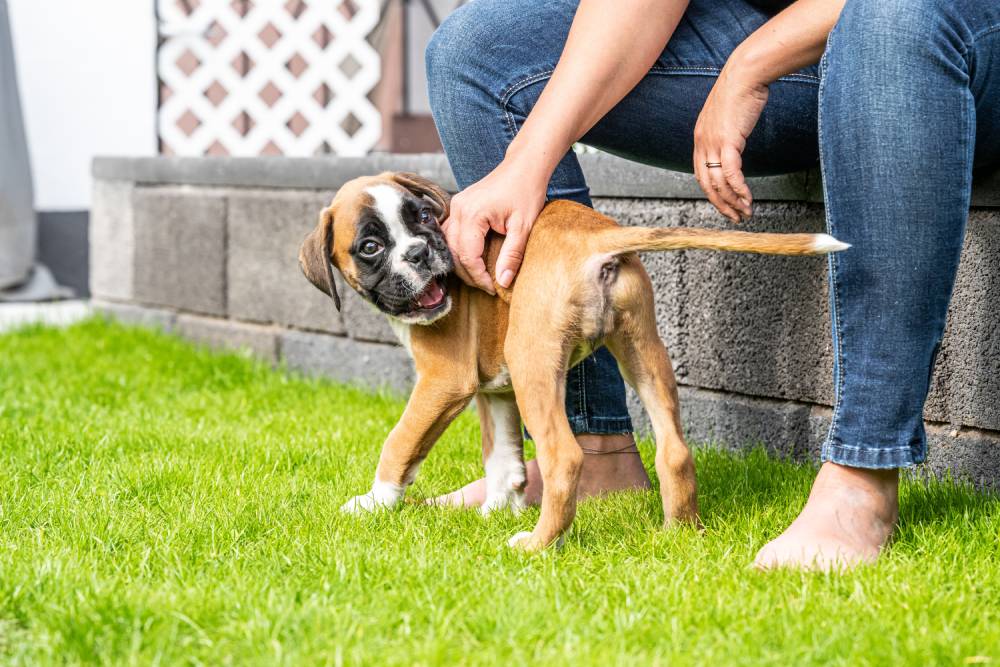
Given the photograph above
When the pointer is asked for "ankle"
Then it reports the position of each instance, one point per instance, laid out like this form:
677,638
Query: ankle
878,489
607,443
882,481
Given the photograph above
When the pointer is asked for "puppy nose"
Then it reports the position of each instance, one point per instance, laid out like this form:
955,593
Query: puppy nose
417,253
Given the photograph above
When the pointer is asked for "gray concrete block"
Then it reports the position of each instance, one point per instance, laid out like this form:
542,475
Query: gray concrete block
798,430
180,249
112,240
127,313
740,422
760,325
608,175
263,278
968,455
260,341
972,340
735,422
370,365
611,176
318,173
939,404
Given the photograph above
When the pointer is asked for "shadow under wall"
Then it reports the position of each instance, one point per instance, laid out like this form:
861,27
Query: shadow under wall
63,246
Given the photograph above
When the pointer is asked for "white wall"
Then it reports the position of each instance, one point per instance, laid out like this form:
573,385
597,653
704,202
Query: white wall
87,76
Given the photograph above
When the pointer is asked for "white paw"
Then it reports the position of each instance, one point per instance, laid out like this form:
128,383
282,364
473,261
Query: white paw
523,541
361,504
512,500
516,541
382,496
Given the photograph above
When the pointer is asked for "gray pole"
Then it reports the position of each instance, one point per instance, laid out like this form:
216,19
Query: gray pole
17,217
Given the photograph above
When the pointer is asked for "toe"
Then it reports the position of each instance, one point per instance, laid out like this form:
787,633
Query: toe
766,558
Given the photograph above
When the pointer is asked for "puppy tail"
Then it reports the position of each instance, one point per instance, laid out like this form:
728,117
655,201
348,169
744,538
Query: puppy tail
644,239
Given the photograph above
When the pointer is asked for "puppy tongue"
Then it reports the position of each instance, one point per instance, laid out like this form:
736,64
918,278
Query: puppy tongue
432,296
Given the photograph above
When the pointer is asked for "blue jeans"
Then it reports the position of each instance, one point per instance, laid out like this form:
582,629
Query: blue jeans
904,104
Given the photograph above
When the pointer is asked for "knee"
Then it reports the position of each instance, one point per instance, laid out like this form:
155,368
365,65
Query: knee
891,45
893,24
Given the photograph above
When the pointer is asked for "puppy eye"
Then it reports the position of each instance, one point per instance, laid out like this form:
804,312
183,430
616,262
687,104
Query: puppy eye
426,217
369,248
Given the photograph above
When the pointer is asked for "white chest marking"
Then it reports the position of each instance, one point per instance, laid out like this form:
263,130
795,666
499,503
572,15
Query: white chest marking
402,331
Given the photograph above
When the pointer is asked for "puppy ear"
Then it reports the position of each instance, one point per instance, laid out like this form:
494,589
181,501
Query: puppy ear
314,257
422,187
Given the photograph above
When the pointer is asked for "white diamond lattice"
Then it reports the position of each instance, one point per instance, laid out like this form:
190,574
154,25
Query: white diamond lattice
347,38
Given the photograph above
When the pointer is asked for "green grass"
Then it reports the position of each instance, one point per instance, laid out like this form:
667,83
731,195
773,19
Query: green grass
162,504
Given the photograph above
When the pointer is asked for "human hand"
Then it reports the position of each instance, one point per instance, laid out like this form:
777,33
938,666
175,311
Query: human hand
729,115
507,201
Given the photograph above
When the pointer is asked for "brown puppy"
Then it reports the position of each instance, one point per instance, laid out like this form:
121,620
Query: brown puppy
581,286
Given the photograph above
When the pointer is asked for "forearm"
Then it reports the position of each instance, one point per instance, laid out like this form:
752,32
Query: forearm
793,39
611,45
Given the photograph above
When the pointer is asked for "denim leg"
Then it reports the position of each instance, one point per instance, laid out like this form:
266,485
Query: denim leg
487,65
906,87
482,54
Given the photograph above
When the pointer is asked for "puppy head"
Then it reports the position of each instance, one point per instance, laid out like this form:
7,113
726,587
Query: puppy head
383,234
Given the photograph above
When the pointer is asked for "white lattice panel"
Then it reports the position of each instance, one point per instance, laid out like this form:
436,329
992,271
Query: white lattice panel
249,78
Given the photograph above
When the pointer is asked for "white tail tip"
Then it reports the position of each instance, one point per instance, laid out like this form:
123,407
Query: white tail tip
825,243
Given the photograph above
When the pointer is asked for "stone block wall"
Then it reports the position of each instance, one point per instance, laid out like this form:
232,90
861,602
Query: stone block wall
207,249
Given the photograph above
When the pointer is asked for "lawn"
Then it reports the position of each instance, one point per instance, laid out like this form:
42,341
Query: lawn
163,504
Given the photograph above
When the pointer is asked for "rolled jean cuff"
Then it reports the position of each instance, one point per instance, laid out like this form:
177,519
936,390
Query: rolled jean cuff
600,425
872,457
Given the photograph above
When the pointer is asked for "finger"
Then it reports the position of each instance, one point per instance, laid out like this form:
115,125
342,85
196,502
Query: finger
730,201
452,236
700,175
470,256
511,252
705,180
732,170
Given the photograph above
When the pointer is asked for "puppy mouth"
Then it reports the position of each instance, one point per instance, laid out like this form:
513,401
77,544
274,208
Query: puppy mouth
432,297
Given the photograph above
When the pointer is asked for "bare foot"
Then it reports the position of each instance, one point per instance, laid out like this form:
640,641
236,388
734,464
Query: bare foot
847,520
606,469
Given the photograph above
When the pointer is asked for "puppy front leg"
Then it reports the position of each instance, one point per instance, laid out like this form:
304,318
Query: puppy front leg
428,413
503,453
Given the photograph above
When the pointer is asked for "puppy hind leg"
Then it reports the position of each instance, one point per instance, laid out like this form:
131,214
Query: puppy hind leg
646,366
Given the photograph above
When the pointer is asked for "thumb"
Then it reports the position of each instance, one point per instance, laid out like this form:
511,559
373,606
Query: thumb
511,252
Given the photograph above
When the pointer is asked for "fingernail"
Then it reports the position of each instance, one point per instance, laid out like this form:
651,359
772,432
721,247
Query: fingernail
506,278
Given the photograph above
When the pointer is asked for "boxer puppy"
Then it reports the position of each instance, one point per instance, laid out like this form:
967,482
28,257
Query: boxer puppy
581,286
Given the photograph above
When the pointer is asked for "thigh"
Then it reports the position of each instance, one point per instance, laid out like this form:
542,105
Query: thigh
655,122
